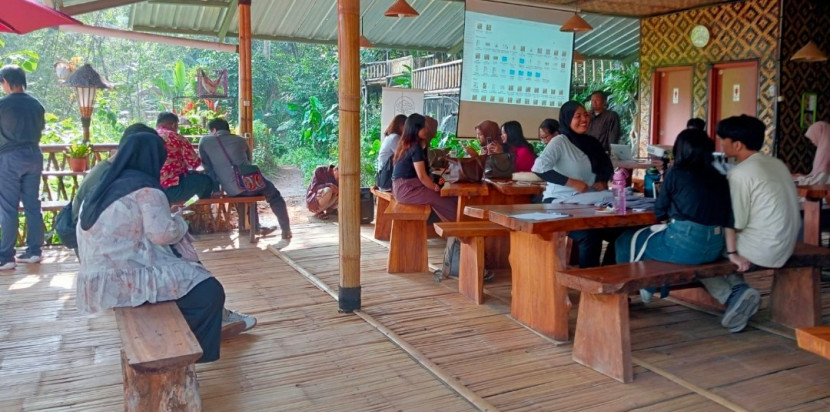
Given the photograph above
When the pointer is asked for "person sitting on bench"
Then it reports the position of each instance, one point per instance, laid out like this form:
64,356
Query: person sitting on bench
765,208
694,199
322,194
220,151
411,182
179,177
126,241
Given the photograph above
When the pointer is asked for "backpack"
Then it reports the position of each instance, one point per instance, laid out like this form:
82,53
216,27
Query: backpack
383,179
452,259
65,227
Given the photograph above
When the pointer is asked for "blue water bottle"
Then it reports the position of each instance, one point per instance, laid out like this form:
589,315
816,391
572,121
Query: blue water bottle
652,176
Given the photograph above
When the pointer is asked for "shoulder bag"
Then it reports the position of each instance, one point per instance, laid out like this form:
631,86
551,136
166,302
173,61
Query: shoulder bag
499,166
248,177
465,169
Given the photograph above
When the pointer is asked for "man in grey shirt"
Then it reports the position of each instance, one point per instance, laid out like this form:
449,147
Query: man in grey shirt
220,151
21,165
605,124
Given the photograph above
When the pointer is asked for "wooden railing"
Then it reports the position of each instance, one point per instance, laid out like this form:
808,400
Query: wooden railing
60,183
441,77
375,71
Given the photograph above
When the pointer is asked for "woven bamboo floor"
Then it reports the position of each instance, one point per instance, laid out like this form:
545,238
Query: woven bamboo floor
416,346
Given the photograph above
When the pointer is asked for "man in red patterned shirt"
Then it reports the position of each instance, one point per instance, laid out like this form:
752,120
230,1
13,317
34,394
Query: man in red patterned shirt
179,177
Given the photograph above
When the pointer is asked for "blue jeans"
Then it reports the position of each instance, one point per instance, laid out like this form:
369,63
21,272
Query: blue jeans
20,172
682,242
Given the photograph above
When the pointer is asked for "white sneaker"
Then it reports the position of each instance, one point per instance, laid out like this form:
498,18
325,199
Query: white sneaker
234,323
27,258
7,265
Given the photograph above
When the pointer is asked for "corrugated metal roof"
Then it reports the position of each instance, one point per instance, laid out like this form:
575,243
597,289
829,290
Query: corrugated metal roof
439,27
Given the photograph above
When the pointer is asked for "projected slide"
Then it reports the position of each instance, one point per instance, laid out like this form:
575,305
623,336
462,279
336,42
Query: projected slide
512,61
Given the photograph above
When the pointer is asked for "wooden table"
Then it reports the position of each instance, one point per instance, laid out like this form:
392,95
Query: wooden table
813,196
538,250
490,192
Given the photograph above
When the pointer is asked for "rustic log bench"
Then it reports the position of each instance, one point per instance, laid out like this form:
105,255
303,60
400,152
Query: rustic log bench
815,339
602,340
383,224
158,359
408,240
471,268
252,221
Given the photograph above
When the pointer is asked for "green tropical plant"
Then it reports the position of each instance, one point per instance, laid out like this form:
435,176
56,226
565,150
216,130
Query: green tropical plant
79,150
26,59
405,80
318,128
621,83
178,83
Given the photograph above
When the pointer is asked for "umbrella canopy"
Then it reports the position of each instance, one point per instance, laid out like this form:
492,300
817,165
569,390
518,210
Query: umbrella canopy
24,16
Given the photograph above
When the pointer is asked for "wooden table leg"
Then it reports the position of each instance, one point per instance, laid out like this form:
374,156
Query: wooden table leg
537,299
795,300
812,222
602,340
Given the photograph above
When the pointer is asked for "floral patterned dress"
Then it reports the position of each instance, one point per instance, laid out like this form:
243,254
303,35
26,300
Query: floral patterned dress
126,259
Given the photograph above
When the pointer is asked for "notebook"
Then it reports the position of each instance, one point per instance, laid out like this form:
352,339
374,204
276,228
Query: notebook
621,152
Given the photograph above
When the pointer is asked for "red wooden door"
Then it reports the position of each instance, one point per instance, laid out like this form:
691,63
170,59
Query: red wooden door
673,103
734,92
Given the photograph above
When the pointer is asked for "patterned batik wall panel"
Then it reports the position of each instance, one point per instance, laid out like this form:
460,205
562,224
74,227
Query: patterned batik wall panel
802,21
640,7
746,30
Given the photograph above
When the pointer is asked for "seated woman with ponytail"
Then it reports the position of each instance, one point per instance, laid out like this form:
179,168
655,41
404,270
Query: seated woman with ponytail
411,182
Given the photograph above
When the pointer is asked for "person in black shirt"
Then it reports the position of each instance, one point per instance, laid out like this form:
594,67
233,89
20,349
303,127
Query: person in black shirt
411,182
695,201
21,164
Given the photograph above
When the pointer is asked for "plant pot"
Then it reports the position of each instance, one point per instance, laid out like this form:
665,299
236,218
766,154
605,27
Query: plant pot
78,165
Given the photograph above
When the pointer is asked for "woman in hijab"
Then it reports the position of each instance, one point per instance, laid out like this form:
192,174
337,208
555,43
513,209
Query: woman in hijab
575,164
125,235
488,135
819,135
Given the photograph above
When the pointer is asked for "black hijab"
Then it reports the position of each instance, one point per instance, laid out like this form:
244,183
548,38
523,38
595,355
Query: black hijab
600,162
137,165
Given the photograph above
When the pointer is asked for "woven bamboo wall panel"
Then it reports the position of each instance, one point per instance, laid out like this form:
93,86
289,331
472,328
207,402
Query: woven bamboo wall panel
740,31
800,24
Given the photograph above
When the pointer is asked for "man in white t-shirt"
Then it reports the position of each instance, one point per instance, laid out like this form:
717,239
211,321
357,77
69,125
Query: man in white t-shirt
767,221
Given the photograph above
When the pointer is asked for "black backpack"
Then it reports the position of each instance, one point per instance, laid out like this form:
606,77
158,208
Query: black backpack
383,179
65,227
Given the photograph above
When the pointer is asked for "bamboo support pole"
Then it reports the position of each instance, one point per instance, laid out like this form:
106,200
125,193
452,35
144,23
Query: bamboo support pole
246,117
348,26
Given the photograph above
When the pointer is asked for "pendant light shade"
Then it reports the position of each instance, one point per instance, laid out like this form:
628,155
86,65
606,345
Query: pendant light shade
810,53
578,57
576,24
365,43
401,9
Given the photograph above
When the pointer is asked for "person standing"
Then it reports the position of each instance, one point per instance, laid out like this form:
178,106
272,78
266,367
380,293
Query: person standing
605,124
21,164
179,177
220,151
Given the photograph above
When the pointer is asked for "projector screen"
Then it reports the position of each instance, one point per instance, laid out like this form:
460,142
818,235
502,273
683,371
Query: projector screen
516,66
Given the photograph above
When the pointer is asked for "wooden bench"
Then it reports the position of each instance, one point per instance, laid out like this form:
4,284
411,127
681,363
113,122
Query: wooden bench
471,268
158,359
252,221
602,340
815,339
383,223
408,238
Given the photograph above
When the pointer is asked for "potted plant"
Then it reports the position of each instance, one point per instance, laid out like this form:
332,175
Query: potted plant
79,156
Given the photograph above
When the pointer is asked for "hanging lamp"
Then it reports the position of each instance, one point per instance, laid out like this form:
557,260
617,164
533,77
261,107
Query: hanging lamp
810,53
576,24
578,57
401,9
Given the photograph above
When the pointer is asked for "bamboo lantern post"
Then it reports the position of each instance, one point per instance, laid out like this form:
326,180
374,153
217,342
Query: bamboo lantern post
246,110
348,26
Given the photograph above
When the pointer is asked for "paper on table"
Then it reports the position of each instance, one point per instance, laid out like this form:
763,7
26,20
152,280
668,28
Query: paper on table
540,216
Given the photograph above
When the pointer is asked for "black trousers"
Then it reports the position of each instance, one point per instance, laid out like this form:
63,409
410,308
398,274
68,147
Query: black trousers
190,183
202,309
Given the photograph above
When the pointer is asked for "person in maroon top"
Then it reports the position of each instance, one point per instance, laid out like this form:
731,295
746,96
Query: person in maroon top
321,197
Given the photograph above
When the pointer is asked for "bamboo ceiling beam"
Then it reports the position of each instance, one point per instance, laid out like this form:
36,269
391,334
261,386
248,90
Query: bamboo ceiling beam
155,38
348,33
226,22
95,6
